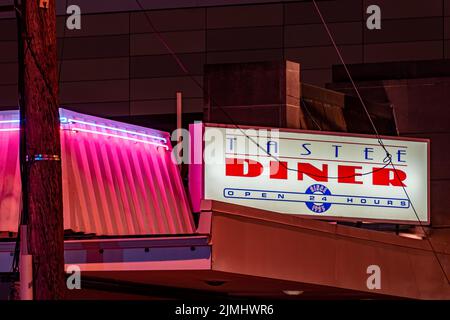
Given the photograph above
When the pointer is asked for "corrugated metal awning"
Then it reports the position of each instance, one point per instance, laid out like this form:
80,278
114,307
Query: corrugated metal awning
118,179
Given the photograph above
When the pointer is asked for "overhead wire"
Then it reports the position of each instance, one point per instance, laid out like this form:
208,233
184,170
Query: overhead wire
380,141
388,157
230,118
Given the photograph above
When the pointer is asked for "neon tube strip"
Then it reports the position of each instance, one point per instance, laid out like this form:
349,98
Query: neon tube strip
121,137
9,121
101,133
65,120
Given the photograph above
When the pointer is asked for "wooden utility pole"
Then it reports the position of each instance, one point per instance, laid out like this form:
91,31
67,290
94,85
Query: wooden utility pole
40,146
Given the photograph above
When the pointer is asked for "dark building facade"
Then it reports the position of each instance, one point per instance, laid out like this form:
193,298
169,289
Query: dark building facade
115,65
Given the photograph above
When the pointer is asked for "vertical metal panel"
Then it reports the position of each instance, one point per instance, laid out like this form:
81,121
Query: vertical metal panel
118,179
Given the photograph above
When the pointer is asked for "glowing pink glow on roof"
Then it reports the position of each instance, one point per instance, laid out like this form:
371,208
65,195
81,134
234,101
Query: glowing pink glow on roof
93,124
118,179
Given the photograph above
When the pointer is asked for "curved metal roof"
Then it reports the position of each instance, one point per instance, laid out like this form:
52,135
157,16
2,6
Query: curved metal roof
118,179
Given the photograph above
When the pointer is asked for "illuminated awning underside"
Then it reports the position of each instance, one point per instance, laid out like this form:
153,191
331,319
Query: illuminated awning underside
118,179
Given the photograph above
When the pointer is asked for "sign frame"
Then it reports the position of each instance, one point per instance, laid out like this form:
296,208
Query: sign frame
197,171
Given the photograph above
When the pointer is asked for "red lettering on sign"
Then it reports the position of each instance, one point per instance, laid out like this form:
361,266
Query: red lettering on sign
278,169
237,168
348,174
386,177
313,172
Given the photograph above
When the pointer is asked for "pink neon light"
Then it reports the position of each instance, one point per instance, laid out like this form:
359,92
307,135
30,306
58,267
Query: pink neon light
75,129
117,129
100,133
69,121
121,137
109,187
10,129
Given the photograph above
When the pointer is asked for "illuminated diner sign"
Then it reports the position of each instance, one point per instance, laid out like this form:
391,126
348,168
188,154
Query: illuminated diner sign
323,175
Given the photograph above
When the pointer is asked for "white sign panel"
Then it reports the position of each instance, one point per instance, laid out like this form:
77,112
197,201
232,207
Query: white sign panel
326,176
